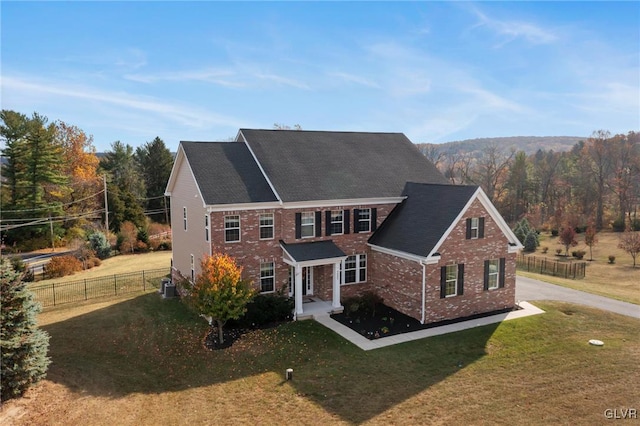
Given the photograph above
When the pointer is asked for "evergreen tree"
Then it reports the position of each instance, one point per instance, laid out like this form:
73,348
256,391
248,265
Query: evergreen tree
23,345
531,242
155,162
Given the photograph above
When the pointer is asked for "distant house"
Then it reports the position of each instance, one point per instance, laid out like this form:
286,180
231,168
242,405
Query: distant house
335,214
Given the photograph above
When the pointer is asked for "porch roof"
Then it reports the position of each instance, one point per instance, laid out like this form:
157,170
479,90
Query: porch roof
317,250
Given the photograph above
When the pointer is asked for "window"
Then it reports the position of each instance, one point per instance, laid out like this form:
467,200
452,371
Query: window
193,271
184,218
337,222
231,229
452,280
355,269
475,228
206,227
267,277
364,220
266,226
492,274
307,224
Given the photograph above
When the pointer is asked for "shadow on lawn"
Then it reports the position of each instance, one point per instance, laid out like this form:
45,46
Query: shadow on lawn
150,345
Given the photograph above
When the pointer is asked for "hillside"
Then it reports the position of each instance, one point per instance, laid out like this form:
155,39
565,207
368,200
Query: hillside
528,144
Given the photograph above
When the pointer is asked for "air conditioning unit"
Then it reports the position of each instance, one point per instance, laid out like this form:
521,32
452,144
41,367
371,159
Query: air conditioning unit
169,291
163,283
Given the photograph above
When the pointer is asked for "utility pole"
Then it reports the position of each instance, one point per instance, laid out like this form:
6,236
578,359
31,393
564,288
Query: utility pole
106,205
53,241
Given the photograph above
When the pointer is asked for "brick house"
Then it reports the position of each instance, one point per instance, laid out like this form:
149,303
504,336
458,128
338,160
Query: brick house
334,214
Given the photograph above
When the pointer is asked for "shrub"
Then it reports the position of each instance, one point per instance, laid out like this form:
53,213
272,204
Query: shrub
530,242
544,249
100,245
61,266
142,247
612,259
554,232
558,251
635,225
266,309
363,305
618,225
578,254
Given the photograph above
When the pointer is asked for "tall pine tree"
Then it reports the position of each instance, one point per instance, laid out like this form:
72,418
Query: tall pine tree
23,346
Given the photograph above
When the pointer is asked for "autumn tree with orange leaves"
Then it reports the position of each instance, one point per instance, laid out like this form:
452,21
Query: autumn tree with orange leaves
219,293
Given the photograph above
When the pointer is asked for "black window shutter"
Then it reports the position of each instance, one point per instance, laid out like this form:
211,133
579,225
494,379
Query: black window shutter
461,279
298,226
374,219
486,275
327,222
318,224
469,229
346,221
481,227
501,276
356,222
443,282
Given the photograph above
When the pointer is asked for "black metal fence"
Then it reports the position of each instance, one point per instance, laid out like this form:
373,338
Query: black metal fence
92,288
543,265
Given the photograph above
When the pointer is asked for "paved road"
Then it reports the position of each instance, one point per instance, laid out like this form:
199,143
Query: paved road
530,289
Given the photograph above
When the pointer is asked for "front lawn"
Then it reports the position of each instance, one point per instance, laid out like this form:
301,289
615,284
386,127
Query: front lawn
140,360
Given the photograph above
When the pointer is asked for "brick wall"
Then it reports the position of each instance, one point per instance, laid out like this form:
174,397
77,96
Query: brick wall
251,251
399,281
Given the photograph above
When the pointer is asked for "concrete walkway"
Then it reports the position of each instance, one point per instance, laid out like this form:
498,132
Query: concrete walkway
530,289
526,289
367,345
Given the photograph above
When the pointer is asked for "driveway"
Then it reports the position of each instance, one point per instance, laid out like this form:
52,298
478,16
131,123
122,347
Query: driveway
529,289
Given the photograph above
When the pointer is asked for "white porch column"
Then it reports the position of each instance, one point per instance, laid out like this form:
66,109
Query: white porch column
336,285
298,287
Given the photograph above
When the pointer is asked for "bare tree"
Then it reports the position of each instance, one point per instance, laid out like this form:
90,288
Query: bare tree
630,243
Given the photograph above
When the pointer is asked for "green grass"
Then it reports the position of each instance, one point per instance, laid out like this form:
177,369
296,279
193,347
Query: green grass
139,360
119,265
618,281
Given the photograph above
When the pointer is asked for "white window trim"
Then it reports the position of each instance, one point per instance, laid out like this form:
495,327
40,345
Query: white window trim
239,228
496,274
475,228
364,220
341,222
455,282
358,268
312,224
272,226
273,276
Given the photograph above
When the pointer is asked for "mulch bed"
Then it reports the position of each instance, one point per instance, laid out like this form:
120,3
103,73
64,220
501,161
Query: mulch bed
388,322
231,333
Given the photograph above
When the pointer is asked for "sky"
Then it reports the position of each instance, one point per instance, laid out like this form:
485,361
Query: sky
435,71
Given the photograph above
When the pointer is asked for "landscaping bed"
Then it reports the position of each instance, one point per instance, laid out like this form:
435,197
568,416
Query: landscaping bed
386,321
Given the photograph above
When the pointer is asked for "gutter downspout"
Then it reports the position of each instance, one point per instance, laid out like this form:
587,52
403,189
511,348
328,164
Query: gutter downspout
424,282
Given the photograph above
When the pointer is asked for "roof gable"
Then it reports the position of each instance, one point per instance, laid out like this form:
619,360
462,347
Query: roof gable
226,173
318,165
417,224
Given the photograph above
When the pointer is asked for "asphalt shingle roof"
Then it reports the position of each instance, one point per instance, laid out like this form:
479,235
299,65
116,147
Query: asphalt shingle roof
226,173
322,165
313,251
417,224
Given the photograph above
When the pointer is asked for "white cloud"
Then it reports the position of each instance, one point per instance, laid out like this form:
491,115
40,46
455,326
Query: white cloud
352,78
512,30
170,111
221,77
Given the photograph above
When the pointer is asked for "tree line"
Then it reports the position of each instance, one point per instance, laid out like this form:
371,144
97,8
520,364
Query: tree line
53,182
597,181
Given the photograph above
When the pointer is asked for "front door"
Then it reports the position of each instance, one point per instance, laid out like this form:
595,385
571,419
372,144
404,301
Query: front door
307,281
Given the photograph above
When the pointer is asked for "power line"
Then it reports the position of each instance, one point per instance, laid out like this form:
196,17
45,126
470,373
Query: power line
54,205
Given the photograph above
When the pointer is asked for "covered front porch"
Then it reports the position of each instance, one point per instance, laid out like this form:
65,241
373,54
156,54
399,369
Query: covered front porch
305,259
